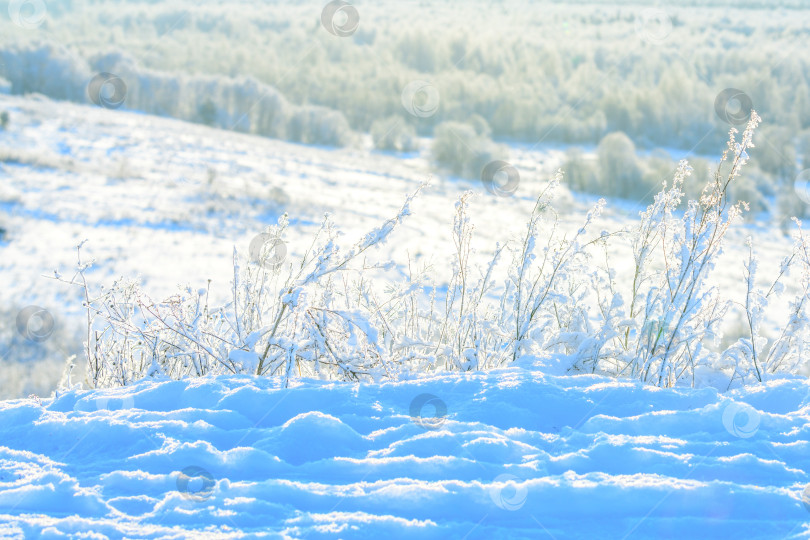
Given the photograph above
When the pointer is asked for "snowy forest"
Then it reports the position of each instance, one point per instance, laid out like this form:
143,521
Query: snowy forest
568,74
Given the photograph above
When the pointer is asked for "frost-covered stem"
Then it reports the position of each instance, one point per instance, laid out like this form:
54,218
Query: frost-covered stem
524,259
87,304
713,230
237,317
572,248
185,335
338,362
749,278
484,286
796,322
273,331
461,238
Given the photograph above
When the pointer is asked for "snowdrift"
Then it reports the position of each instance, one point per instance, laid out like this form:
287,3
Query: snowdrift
512,453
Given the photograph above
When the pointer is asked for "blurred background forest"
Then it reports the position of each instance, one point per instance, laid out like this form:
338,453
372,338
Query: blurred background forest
625,91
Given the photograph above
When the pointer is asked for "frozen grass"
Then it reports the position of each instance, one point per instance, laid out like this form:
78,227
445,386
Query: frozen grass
322,315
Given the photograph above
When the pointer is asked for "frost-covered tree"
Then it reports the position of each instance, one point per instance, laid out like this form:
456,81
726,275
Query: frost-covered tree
619,171
394,133
462,150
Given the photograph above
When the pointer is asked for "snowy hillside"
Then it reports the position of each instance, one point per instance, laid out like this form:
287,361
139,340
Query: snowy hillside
168,202
512,453
149,192
508,454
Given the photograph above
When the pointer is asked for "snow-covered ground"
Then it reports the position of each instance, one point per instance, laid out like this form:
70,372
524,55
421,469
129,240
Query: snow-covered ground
169,201
515,453
511,453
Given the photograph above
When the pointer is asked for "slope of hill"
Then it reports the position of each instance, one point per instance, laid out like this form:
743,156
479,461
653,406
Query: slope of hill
167,202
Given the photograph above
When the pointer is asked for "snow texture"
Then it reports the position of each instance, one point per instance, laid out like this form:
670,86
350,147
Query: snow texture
512,453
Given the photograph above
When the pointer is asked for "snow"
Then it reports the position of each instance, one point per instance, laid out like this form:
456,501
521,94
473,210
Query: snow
512,453
524,452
